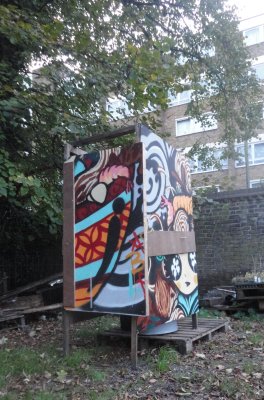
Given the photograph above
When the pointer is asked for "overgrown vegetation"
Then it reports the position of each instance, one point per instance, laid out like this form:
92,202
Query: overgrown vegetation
89,51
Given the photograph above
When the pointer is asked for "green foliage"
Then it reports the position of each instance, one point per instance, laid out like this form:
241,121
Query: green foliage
95,375
16,362
88,51
98,325
77,358
250,315
257,339
232,388
166,357
249,367
43,395
205,313
220,210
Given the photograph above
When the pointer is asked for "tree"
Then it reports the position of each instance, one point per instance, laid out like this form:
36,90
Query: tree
87,49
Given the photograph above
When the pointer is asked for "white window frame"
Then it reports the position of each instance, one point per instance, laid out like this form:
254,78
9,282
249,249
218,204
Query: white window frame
179,99
252,158
195,126
253,181
255,63
212,168
119,107
259,35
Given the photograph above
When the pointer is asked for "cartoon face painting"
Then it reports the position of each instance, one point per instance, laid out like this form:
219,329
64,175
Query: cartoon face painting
180,270
173,279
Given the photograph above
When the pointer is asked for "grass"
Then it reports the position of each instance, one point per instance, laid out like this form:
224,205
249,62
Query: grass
167,356
232,388
107,394
92,366
96,375
249,316
44,396
206,313
23,360
249,367
257,339
92,328
77,358
26,362
34,396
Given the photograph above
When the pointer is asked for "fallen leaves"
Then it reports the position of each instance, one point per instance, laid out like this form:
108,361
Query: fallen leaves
229,366
200,355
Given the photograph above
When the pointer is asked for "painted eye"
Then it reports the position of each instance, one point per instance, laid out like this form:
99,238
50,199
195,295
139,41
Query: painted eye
192,261
173,267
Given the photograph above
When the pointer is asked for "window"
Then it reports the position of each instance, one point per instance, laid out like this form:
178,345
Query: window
118,108
187,126
259,69
253,35
256,183
179,98
183,127
255,154
198,166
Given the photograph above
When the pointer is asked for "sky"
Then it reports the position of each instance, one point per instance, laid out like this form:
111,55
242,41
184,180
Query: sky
248,8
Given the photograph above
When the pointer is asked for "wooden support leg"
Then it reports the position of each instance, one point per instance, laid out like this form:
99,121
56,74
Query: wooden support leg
134,342
194,321
66,332
23,323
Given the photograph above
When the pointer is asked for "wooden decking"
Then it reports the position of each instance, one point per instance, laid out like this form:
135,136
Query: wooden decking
183,339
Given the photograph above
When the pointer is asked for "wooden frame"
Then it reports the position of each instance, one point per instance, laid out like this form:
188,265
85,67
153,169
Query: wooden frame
156,243
70,315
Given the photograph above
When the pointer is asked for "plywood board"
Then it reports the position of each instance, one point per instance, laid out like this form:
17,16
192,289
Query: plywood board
173,290
109,232
170,242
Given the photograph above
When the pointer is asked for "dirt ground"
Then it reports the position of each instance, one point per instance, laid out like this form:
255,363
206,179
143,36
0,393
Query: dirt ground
230,366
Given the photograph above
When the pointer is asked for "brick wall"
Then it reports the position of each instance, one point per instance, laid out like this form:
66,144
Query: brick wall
229,236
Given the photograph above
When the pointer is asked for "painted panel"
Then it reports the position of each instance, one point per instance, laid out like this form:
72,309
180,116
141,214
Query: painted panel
173,289
109,232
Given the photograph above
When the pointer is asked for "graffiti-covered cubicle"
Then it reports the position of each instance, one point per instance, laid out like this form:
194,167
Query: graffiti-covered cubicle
129,245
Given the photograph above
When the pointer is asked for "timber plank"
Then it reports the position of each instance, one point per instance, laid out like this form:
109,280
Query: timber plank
30,286
50,307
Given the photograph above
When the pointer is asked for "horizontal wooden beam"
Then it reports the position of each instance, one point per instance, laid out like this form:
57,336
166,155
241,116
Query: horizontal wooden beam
170,242
105,136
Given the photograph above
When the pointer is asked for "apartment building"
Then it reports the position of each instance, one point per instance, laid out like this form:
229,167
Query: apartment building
184,131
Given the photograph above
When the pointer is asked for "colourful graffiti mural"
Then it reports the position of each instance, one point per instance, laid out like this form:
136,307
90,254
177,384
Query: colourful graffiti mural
109,231
134,249
172,286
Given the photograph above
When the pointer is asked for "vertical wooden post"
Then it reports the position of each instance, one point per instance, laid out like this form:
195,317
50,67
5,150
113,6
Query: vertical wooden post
67,151
134,342
5,277
23,323
194,321
66,332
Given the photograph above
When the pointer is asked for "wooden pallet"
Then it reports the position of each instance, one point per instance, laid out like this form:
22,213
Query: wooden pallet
250,291
13,317
184,338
